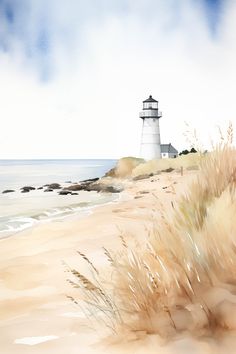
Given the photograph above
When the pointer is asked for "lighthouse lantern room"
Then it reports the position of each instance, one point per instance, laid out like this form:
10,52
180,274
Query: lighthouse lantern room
150,141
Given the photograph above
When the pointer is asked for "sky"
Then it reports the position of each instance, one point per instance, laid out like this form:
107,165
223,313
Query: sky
74,73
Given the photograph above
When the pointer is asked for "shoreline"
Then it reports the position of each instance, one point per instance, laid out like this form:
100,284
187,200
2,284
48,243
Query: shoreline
33,281
79,212
23,183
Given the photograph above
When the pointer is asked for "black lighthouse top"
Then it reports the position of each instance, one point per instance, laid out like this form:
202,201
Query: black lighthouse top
150,109
150,103
150,99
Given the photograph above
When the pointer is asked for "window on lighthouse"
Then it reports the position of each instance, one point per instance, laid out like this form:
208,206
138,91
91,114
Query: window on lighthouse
154,105
150,105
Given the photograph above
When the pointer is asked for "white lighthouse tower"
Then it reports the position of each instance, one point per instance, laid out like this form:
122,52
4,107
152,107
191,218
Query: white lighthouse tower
150,141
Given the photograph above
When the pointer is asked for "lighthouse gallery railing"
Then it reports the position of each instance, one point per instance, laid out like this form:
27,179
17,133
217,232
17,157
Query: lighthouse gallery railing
150,114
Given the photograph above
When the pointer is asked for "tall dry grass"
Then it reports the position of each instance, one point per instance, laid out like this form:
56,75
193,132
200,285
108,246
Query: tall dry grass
133,167
183,276
124,167
154,166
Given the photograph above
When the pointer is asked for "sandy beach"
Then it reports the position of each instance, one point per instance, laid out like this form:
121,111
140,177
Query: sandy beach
33,285
36,315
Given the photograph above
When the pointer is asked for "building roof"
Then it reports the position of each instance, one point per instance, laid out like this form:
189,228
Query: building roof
168,148
150,99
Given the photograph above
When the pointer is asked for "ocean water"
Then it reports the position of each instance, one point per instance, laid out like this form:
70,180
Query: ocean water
22,210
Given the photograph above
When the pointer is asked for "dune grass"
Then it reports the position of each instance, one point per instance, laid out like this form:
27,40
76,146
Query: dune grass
174,281
132,167
189,161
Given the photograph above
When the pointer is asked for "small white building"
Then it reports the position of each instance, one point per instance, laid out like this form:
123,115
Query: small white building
168,151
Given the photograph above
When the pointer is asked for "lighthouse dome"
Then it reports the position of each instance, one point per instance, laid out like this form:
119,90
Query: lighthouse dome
150,103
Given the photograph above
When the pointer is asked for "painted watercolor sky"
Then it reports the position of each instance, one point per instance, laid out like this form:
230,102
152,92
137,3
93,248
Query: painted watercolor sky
73,73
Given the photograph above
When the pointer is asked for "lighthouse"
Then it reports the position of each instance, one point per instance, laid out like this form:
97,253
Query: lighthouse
150,141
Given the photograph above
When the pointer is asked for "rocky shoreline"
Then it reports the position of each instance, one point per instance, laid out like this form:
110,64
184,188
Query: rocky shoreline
111,182
93,184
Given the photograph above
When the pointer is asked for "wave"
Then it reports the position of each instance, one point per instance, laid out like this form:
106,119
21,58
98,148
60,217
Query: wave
14,224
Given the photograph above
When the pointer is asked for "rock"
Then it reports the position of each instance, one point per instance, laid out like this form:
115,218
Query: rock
40,188
144,192
68,182
145,176
8,191
92,185
100,187
64,192
170,169
75,187
27,189
113,189
54,186
83,185
48,190
90,180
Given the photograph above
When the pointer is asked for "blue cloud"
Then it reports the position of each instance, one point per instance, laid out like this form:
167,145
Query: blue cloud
213,11
42,42
9,13
20,31
33,23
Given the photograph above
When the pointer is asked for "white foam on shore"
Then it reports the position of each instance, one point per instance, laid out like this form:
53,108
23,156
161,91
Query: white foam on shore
18,224
15,225
34,340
